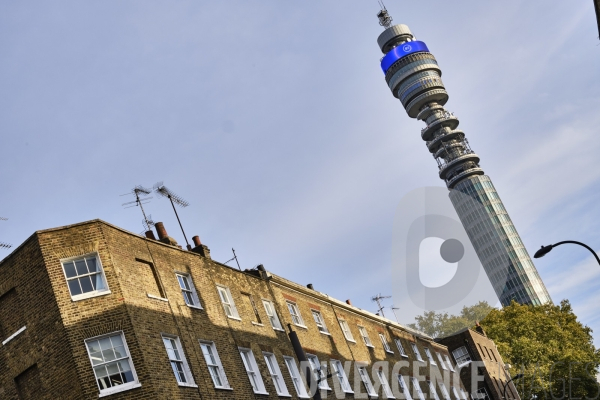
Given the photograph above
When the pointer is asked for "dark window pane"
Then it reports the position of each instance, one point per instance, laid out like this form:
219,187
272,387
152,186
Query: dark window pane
70,269
127,376
188,298
86,284
91,263
81,268
74,287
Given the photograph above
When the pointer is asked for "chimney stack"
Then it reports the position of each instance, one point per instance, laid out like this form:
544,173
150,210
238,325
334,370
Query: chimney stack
196,240
160,230
348,302
310,286
150,235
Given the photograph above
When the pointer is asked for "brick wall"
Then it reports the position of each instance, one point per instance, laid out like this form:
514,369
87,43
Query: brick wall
145,301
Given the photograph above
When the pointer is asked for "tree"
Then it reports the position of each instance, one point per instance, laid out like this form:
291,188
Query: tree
546,343
441,325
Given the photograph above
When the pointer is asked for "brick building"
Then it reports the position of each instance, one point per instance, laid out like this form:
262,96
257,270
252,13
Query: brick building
473,349
91,310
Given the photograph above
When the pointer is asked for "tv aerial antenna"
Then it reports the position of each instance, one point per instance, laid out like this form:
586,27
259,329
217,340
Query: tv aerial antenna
2,244
394,308
141,197
163,191
234,258
378,299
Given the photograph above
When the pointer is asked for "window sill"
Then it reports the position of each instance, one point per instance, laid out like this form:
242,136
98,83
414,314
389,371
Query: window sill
234,318
89,295
151,296
404,355
389,352
119,389
278,329
370,346
352,341
283,395
256,323
195,307
14,335
325,333
301,326
262,393
191,385
223,388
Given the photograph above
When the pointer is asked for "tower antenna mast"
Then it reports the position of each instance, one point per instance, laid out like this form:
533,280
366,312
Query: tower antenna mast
378,299
385,19
162,190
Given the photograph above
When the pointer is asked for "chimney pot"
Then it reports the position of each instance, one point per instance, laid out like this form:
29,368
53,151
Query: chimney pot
150,235
196,240
310,286
348,302
261,267
161,231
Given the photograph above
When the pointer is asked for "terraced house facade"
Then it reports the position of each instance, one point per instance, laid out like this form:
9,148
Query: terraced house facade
91,310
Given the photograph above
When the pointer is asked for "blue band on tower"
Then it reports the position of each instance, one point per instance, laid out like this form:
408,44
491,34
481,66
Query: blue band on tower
402,51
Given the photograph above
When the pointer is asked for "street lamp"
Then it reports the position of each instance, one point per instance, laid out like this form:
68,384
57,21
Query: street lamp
546,249
518,376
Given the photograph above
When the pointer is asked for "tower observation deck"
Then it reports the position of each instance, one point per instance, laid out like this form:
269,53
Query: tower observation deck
414,77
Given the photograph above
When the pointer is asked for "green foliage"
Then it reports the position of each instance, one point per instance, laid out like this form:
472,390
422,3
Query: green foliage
546,343
441,325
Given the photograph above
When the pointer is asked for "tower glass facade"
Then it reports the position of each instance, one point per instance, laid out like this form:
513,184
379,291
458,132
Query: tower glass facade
415,78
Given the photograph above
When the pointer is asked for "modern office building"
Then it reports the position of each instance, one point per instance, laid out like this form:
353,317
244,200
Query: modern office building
414,77
91,310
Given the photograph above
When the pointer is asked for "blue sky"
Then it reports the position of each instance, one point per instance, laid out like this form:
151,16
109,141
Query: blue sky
274,121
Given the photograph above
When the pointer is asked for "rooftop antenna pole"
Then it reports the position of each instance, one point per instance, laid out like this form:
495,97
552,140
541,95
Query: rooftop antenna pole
395,315
378,299
234,258
175,199
2,244
385,19
138,202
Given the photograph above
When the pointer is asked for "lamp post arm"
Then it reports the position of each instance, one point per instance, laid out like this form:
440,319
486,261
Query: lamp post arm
581,244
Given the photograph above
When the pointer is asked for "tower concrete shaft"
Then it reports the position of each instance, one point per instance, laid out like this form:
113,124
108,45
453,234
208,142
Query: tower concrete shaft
414,77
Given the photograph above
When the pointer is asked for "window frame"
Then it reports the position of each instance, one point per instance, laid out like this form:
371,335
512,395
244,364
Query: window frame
416,351
276,375
385,385
297,381
404,388
364,377
318,374
441,360
274,315
456,394
417,388
320,324
347,332
218,366
449,362
193,293
113,389
385,344
432,390
444,391
400,347
338,370
186,368
462,357
252,369
295,314
102,273
254,309
365,336
231,304
429,355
